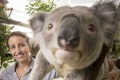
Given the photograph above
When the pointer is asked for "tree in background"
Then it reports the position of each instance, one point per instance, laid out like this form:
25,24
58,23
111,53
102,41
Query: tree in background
4,55
4,31
35,6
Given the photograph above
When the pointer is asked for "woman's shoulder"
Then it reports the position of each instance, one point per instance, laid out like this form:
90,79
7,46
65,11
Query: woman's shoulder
10,69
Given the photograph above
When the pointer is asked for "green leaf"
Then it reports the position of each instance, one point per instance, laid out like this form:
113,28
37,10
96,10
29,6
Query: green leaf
38,6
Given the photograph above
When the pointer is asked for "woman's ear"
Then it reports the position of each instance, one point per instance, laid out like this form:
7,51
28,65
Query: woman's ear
30,47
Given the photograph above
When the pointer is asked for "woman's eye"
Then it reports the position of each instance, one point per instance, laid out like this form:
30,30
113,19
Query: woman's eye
91,27
12,47
22,45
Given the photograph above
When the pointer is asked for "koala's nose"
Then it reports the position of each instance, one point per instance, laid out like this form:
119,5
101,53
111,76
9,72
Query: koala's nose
69,32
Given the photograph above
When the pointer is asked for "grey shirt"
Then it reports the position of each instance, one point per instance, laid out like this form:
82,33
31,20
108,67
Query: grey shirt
10,74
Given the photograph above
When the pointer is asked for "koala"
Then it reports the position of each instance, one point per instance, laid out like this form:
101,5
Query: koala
71,39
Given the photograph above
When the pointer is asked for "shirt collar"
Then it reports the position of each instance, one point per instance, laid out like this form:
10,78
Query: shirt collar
32,63
11,69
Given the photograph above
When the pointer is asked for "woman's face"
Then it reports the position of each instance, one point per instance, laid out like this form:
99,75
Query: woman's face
19,48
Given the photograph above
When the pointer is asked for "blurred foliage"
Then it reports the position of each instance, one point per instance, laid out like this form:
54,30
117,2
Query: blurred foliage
2,9
35,6
4,31
4,56
114,51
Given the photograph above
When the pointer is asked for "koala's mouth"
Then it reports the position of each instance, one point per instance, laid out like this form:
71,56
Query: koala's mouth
66,56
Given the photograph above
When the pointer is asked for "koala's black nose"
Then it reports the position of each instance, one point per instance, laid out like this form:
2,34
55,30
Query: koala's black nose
69,32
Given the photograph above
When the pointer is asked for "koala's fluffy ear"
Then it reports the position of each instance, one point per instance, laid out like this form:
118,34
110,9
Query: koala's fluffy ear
37,21
107,12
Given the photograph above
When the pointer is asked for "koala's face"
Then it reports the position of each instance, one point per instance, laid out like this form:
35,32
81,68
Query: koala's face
75,35
72,36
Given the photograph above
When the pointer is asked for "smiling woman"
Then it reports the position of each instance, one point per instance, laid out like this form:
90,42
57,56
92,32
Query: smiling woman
20,48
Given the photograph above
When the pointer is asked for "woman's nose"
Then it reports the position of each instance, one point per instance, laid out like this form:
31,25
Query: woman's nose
18,50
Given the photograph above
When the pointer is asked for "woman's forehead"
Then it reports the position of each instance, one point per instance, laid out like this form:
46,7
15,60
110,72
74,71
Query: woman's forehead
16,39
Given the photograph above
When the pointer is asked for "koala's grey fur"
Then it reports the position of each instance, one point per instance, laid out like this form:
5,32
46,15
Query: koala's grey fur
71,39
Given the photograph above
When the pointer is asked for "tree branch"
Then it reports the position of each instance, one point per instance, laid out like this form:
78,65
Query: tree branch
14,22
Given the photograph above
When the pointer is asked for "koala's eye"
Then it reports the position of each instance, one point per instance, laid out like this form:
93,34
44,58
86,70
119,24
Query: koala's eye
50,26
91,27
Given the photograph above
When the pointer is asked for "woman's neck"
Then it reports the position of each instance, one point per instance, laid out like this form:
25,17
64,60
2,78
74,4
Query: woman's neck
22,68
25,64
